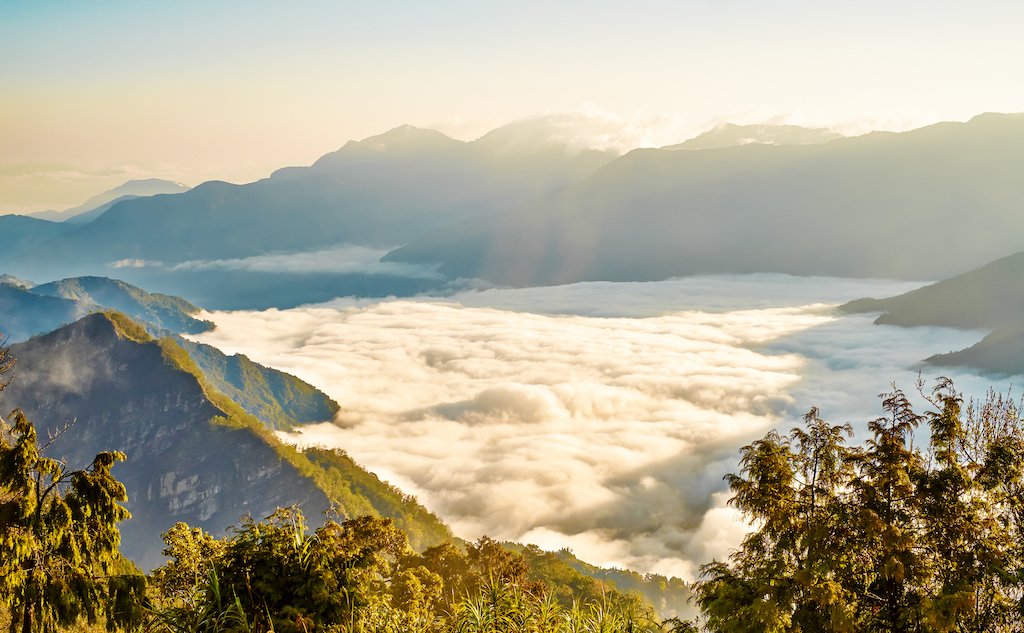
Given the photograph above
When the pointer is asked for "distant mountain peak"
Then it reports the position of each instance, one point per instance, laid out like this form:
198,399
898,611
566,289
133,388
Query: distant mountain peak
567,132
404,139
99,203
406,136
733,135
993,116
150,182
137,187
27,309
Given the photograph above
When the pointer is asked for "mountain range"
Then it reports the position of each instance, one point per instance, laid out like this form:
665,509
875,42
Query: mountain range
102,364
923,204
278,399
98,204
197,455
382,191
27,309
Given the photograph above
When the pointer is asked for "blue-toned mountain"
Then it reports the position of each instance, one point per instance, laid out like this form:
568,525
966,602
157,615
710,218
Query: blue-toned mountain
382,191
922,204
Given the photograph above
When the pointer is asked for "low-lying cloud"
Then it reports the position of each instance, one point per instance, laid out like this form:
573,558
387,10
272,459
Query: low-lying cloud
596,416
342,259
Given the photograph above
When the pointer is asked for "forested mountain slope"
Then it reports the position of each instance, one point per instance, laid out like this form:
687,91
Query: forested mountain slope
194,455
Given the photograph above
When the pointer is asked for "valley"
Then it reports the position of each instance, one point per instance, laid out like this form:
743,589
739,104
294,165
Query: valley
632,395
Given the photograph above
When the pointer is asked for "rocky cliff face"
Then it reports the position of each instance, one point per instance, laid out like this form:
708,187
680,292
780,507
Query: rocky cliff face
114,390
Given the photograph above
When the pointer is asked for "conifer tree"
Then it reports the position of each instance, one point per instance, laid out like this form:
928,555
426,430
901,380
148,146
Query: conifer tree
58,533
890,537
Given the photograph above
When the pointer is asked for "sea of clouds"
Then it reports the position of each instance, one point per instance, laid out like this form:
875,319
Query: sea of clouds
341,259
595,416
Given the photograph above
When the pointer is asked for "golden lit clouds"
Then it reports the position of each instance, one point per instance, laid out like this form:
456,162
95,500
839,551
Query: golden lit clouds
506,422
599,416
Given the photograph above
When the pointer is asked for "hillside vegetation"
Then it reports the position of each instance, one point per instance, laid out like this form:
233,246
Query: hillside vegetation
193,454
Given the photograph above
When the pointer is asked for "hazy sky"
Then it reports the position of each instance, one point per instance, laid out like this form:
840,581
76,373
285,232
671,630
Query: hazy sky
94,93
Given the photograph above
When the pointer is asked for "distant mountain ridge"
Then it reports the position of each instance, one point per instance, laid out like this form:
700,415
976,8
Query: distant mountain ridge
37,309
989,298
279,400
96,205
381,191
878,205
517,213
24,234
733,135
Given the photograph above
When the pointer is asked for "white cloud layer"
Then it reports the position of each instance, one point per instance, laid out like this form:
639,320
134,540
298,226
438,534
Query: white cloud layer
341,259
598,416
592,127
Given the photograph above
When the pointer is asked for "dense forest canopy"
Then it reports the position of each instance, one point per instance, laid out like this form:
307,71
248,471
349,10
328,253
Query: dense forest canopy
919,529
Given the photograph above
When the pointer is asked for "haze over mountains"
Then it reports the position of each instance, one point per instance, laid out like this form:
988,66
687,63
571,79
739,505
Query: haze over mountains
879,205
732,135
513,208
27,309
381,191
527,204
98,204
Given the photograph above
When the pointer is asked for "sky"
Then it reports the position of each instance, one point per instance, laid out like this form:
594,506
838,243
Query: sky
96,93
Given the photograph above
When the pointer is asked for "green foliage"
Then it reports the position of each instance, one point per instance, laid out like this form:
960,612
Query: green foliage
890,536
126,328
276,575
669,595
358,491
278,399
507,607
360,576
59,537
183,583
